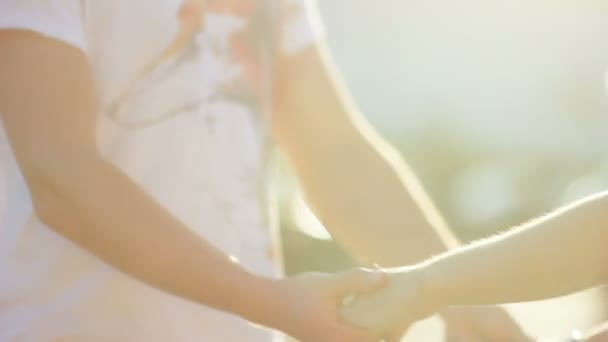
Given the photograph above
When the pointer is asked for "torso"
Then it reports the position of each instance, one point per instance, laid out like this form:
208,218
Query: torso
192,133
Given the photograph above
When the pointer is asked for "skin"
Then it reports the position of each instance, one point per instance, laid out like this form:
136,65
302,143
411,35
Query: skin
597,334
360,188
366,196
558,254
48,109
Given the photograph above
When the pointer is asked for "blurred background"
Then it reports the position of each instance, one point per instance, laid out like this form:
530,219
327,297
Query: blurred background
499,106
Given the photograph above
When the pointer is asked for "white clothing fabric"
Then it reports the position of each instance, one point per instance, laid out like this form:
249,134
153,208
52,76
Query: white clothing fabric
191,133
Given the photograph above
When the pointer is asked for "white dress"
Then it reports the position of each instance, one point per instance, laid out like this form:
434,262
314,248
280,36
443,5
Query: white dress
191,133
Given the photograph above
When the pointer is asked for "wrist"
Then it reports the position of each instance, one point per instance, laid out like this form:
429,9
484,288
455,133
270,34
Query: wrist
262,301
417,285
432,288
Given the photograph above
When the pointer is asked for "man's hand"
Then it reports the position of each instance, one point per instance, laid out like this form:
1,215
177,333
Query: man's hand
311,302
481,323
389,312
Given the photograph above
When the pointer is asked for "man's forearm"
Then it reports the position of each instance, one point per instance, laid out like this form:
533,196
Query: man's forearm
374,206
49,110
356,184
92,203
556,255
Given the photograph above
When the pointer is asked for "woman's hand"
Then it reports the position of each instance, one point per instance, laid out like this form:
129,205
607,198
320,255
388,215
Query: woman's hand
309,303
389,312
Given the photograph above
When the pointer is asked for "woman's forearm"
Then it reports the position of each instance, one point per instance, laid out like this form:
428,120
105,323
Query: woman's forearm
555,255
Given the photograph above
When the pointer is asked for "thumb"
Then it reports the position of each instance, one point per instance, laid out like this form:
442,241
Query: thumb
358,281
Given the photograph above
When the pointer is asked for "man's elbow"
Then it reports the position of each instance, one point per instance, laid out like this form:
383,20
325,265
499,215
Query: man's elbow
52,179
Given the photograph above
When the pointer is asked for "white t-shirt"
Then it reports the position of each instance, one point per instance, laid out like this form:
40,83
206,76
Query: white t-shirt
191,132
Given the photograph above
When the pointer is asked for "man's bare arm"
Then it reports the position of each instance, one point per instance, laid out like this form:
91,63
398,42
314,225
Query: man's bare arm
357,184
48,107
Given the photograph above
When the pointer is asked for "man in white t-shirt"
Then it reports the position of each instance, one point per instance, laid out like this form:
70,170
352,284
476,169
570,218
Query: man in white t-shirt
134,134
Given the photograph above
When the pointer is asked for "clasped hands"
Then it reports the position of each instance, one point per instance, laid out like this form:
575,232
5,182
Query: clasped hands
388,311
358,306
373,306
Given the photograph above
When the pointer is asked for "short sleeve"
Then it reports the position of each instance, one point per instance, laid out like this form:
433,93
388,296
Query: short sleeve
300,26
57,19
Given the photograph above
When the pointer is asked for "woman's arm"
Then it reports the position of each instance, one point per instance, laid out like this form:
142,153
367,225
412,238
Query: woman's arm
48,108
358,185
554,255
